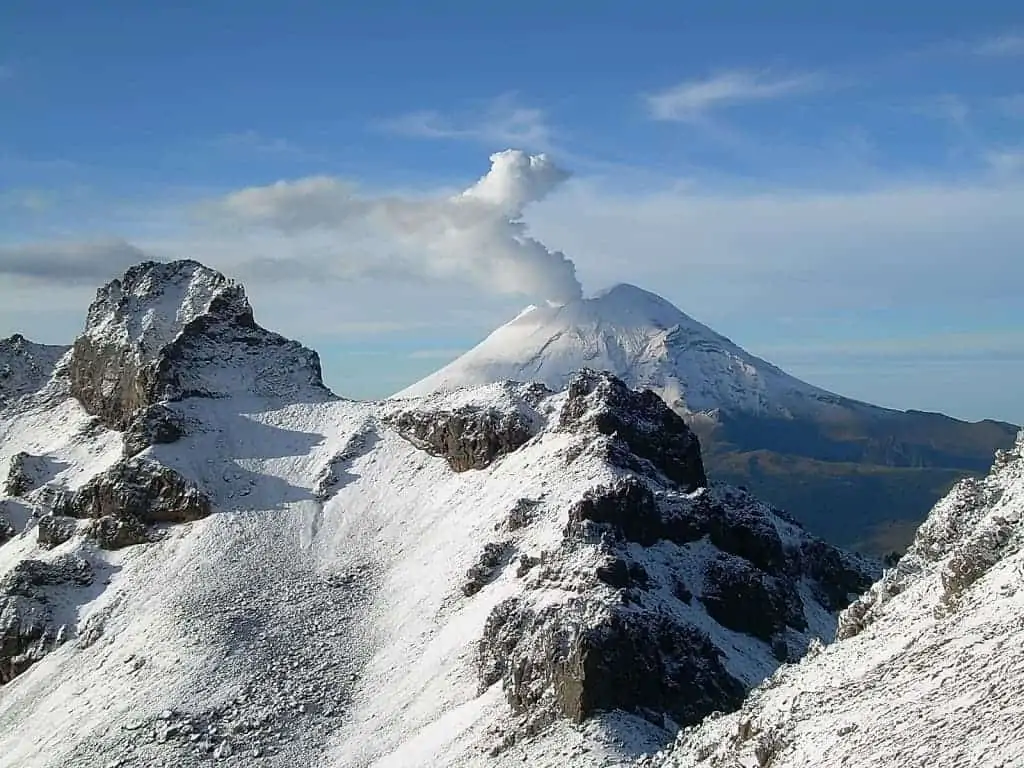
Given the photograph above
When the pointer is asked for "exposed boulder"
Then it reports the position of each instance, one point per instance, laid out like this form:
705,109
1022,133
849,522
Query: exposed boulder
739,596
25,473
131,495
154,425
569,661
54,530
647,427
470,437
28,628
494,556
167,331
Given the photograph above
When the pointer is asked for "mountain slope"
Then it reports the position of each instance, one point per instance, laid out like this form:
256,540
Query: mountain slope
279,577
853,472
929,668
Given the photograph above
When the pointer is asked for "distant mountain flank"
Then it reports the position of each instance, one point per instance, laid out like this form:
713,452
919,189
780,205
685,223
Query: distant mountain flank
853,472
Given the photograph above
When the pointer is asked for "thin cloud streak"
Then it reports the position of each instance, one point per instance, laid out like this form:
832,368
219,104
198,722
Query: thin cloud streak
693,100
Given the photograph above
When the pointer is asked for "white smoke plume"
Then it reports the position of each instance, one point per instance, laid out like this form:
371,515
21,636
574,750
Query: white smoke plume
478,234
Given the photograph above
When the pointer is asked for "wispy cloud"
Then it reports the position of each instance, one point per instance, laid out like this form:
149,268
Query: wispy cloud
1004,45
693,100
257,143
500,122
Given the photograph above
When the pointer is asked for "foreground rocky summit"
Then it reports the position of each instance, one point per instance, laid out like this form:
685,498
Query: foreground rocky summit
239,566
928,668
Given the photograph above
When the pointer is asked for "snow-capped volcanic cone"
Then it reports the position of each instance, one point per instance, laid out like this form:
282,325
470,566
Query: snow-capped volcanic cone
639,337
853,472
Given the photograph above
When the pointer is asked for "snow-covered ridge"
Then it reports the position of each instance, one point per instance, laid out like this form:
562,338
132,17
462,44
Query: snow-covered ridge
928,670
639,337
25,366
487,577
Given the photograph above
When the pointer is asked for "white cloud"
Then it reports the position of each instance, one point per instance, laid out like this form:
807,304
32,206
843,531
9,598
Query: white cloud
1005,45
692,100
477,235
502,121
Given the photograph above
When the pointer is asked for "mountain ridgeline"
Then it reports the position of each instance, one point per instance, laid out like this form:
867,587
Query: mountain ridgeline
239,566
854,473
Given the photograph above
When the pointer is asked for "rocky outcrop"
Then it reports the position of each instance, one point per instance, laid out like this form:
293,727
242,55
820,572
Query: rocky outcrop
28,627
25,366
565,661
660,571
129,497
467,438
154,425
165,332
25,473
54,530
639,422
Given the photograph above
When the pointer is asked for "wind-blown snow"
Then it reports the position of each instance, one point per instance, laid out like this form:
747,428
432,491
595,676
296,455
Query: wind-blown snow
931,671
639,337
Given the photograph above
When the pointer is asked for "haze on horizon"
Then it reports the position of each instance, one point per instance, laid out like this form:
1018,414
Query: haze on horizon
840,196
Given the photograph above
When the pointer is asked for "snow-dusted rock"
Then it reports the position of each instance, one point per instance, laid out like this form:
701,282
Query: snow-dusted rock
927,670
128,497
166,331
28,628
25,367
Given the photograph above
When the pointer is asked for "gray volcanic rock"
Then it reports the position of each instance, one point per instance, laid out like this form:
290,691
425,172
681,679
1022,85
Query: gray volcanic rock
682,566
128,497
471,437
649,429
25,366
28,628
168,331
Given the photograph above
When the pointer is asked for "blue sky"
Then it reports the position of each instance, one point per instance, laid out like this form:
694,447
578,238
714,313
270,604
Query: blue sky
837,188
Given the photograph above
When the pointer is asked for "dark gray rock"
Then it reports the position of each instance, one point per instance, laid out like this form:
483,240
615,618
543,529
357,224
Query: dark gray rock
111,532
7,531
494,557
28,630
25,366
153,425
467,438
564,661
54,530
744,599
640,421
121,366
131,495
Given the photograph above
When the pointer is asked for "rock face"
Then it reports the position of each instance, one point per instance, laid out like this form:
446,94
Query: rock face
945,619
25,366
164,332
28,628
25,473
470,436
677,566
129,497
641,422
